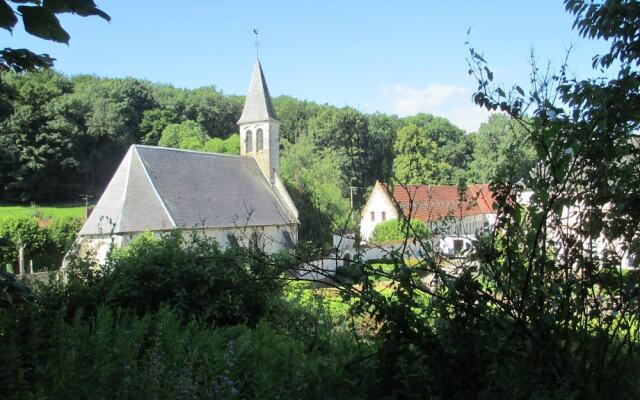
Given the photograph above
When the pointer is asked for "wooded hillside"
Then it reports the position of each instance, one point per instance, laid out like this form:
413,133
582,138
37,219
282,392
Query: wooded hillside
64,136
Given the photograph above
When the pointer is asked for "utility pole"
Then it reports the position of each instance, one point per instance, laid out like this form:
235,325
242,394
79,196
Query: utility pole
351,189
86,198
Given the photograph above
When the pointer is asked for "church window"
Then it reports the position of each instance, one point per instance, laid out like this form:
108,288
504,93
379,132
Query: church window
255,242
373,215
288,241
249,142
384,216
259,140
233,240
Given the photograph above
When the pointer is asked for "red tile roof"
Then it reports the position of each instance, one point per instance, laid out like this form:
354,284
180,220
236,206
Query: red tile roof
432,202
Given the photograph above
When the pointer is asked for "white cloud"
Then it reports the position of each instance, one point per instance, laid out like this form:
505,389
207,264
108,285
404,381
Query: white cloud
450,101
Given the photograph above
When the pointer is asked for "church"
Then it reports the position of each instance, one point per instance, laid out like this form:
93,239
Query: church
237,200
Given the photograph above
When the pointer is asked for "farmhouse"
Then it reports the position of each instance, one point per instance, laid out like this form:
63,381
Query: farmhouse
453,216
234,199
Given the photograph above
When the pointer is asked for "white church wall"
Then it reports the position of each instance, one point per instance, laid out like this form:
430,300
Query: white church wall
269,239
283,194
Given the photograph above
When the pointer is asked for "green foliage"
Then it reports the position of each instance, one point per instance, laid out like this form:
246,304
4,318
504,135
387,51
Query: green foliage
416,160
195,278
317,185
188,135
230,145
44,246
502,147
12,292
398,229
154,122
41,21
169,319
65,136
119,355
182,135
294,116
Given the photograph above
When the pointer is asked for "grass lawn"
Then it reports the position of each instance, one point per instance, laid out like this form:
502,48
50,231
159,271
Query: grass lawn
54,211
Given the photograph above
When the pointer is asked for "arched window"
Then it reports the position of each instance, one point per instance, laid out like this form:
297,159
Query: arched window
249,143
259,140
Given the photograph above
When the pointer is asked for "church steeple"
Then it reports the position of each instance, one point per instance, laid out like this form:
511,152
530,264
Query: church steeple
257,106
259,126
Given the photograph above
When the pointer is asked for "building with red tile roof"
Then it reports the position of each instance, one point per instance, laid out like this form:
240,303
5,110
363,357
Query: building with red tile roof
442,208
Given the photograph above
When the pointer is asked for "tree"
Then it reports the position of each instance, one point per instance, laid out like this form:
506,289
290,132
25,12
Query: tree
186,135
36,152
554,263
382,136
294,116
317,189
153,123
346,132
40,20
454,147
230,145
417,160
501,146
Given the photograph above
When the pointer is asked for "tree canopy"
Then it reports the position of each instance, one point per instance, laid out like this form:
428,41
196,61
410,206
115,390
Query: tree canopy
64,136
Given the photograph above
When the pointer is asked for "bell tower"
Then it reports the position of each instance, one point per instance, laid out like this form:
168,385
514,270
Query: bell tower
259,126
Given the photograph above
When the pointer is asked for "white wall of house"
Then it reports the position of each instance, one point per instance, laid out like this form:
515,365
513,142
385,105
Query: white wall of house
379,208
270,239
470,225
599,246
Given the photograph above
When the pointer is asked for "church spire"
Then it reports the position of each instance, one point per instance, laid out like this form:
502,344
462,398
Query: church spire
257,106
259,127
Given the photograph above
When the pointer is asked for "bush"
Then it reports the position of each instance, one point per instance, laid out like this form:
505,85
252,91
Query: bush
171,318
157,356
397,229
44,245
195,278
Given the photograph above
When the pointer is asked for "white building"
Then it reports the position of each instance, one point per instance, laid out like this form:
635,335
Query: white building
572,220
234,199
442,208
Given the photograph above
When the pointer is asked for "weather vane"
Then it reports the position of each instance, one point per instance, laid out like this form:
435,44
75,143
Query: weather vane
257,44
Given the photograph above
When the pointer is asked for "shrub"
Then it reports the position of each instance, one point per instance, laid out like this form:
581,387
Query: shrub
45,246
158,356
397,229
193,277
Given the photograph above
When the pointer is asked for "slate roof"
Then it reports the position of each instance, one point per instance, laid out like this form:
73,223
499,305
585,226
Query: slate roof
157,188
257,105
433,202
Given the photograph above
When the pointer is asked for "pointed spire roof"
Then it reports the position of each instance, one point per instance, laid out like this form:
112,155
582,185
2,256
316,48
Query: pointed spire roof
257,106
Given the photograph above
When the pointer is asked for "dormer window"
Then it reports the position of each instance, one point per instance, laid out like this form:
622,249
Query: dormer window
259,140
249,141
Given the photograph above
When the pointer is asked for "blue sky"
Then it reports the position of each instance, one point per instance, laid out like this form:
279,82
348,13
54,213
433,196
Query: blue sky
399,57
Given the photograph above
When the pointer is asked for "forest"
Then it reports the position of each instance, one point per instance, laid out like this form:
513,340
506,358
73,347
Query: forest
63,137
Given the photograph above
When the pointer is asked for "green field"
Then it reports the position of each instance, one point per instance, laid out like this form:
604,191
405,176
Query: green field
52,211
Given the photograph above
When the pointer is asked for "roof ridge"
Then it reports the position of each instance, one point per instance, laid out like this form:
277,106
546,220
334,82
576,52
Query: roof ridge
155,189
146,146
